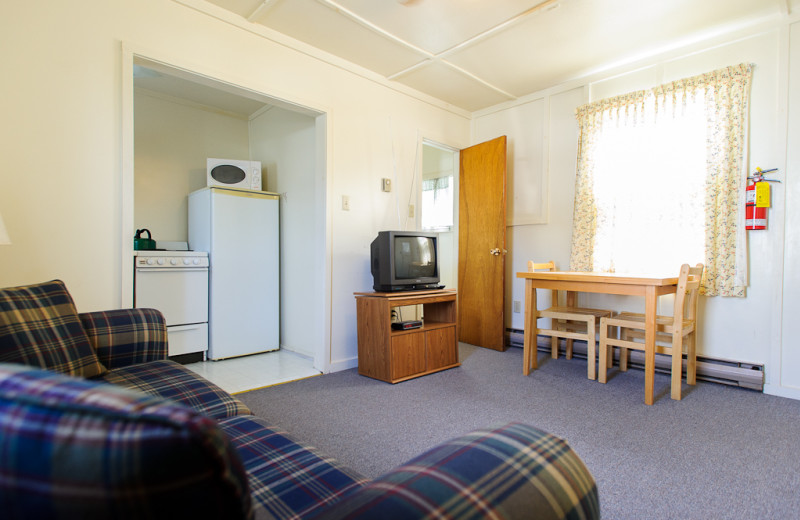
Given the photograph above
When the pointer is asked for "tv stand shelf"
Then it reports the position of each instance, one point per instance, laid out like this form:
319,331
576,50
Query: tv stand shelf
397,355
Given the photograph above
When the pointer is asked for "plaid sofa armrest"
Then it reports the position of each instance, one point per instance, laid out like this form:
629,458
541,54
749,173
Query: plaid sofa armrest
513,471
125,337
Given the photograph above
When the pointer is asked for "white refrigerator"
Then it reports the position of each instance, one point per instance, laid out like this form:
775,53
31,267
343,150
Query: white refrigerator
240,230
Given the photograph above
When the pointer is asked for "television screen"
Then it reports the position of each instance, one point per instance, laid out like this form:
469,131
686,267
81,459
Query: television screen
414,257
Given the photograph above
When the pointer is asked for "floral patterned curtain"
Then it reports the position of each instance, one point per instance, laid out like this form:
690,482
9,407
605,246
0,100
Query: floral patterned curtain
617,152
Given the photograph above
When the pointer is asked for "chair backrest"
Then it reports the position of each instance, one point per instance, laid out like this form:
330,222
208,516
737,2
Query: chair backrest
547,266
688,285
533,266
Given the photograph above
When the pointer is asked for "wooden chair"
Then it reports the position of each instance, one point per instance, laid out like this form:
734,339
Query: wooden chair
669,329
569,321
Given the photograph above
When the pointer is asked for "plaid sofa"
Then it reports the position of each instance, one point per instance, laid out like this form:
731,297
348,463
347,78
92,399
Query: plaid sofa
96,422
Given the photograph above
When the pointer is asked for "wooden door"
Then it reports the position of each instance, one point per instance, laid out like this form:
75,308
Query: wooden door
481,244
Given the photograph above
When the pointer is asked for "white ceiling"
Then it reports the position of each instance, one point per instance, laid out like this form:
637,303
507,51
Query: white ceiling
477,53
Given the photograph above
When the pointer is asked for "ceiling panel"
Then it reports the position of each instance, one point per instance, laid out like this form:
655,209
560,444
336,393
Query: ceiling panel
439,25
195,92
316,24
243,8
443,82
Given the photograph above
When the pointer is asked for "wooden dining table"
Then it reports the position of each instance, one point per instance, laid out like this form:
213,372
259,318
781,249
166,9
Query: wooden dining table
606,283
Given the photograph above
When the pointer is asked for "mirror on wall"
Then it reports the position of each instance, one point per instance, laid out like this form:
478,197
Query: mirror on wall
438,206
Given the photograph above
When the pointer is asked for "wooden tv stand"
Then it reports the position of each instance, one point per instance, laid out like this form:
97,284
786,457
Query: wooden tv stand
397,355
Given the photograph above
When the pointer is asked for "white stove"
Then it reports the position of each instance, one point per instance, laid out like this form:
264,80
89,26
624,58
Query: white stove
175,283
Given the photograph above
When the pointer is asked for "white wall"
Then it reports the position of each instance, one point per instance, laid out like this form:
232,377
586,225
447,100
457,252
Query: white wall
744,329
172,141
63,107
284,142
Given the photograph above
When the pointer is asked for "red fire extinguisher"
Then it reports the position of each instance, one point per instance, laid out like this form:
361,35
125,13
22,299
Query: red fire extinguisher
757,200
755,217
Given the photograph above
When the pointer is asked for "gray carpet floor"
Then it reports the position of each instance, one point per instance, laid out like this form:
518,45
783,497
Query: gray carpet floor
721,452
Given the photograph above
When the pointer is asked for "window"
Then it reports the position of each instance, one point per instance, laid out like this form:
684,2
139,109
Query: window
437,204
660,180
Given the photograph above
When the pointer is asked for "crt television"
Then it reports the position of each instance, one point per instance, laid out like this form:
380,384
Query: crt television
405,261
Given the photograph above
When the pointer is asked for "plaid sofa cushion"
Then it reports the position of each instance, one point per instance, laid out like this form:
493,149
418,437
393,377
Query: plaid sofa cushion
125,337
71,448
514,471
39,326
287,479
170,380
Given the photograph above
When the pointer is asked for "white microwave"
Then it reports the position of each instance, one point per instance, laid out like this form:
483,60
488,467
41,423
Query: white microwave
232,173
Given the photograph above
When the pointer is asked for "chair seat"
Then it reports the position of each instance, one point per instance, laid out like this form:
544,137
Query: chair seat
573,313
635,320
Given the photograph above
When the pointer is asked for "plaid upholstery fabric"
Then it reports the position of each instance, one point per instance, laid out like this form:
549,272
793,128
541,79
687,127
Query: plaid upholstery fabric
514,471
126,336
170,380
287,479
71,448
39,326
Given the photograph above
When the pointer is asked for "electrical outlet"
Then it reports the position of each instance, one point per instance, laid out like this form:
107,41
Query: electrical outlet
410,211
517,306
386,184
346,202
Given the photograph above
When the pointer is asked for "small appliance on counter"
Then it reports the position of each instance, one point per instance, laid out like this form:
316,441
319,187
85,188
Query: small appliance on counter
143,244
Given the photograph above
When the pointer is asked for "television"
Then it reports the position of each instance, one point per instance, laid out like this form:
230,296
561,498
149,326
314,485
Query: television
405,261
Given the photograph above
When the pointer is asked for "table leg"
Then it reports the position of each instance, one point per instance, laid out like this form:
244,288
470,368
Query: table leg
529,344
650,301
572,301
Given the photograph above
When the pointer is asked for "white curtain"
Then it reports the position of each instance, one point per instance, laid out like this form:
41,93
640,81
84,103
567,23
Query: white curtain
660,182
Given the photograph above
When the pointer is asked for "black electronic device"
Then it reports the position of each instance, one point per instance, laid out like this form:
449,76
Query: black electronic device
405,261
406,325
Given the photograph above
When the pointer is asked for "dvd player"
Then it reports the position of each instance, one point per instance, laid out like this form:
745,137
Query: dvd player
406,325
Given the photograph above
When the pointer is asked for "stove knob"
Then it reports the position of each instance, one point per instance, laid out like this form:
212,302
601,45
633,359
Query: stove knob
173,261
186,261
149,261
160,261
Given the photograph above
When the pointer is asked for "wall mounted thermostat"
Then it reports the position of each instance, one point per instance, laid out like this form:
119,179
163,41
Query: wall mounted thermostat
386,184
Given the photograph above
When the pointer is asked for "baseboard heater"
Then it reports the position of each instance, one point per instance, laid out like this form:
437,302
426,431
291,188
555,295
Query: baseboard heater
734,373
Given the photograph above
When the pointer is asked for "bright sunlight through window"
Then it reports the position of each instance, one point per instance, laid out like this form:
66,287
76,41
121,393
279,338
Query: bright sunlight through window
649,188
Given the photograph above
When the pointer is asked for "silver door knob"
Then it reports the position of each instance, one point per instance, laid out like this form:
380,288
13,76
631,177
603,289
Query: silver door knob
496,251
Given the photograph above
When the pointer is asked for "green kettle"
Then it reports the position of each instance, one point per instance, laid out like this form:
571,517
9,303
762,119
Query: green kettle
142,244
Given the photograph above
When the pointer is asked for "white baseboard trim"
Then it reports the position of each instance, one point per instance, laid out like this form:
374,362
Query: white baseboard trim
343,364
782,391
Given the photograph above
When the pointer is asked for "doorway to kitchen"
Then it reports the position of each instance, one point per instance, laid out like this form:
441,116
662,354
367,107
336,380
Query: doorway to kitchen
174,119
